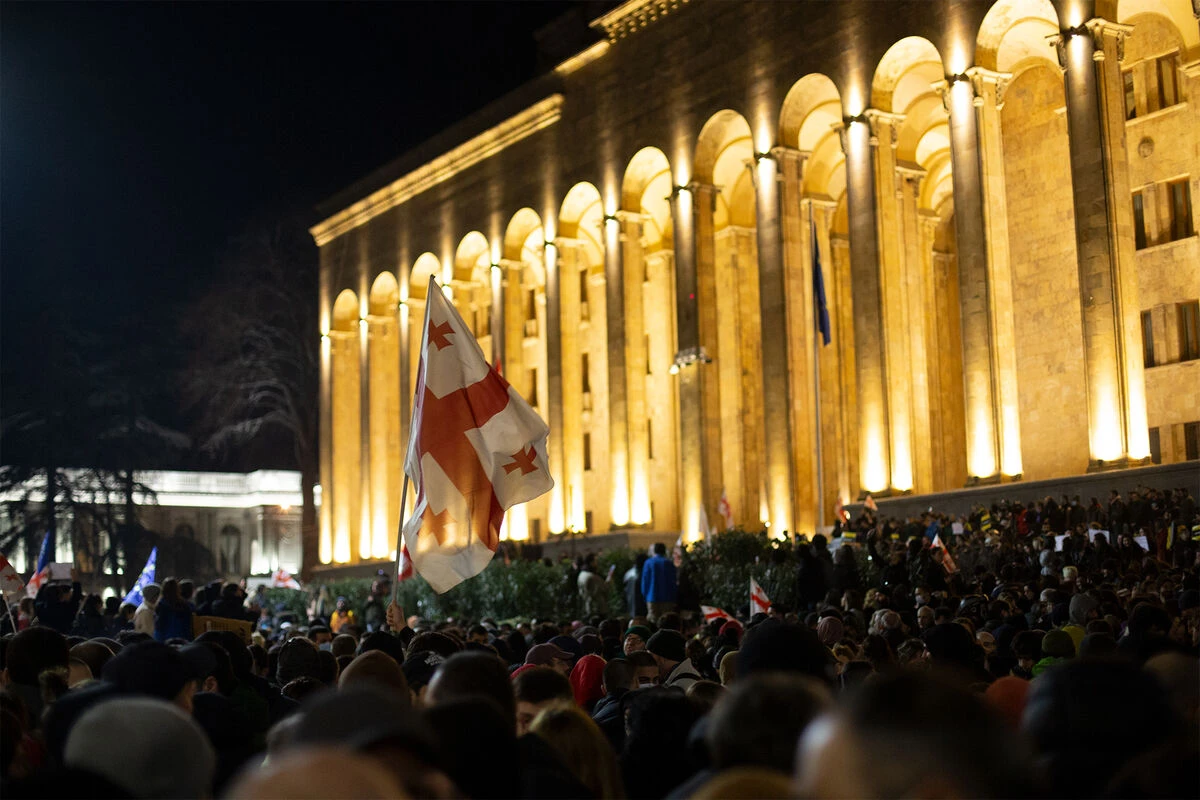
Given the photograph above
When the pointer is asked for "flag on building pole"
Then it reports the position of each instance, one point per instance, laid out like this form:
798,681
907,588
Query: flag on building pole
869,504
947,559
712,613
476,449
759,602
10,581
146,578
820,309
282,579
41,572
726,511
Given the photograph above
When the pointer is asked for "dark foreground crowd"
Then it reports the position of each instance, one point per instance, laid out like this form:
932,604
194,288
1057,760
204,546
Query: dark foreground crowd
1018,668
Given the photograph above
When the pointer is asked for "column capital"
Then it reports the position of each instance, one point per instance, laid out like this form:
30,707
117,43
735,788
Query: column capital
880,121
819,201
624,216
988,83
786,154
1105,32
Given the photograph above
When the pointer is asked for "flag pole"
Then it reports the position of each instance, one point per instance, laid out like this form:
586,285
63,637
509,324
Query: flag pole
813,257
400,540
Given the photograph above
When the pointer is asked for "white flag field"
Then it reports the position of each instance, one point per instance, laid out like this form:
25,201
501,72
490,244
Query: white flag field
476,449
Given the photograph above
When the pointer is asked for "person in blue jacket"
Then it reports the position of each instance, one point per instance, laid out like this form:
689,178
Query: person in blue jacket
173,614
659,584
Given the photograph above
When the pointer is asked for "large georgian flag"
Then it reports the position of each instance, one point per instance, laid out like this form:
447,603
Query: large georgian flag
476,448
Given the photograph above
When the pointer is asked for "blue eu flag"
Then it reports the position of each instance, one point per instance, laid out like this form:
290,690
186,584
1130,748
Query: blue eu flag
146,578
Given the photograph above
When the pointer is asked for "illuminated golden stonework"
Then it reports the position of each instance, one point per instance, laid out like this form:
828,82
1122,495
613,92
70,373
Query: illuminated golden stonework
1010,278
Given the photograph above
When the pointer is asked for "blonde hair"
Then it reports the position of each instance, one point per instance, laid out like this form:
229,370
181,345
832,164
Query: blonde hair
582,747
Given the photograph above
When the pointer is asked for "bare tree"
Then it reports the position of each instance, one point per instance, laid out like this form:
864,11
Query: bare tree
254,375
74,439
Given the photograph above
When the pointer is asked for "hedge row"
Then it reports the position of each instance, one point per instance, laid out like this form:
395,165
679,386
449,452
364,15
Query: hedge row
719,571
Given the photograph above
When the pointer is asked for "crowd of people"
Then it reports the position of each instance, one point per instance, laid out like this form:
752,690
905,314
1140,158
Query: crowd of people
1025,655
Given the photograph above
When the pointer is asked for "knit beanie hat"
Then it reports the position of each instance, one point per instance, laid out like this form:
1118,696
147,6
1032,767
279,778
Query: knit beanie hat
147,746
1081,606
298,658
1058,644
638,630
1007,695
1097,645
668,644
829,631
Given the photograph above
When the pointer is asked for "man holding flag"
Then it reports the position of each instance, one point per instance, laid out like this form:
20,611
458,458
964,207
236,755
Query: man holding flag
476,448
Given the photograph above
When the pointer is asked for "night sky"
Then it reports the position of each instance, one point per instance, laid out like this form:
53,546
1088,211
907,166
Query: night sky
137,139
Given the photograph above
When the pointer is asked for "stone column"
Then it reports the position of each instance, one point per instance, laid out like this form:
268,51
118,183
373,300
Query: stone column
1090,56
872,417
802,342
497,311
633,324
570,395
772,295
844,368
896,328
325,540
704,200
989,100
919,326
513,319
978,370
689,361
362,548
554,386
618,416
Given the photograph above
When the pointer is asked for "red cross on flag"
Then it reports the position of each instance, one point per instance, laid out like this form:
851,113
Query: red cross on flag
406,566
726,511
712,613
840,510
10,581
759,602
282,579
947,559
476,449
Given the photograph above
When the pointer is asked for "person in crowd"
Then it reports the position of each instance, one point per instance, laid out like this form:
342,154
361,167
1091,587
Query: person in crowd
580,745
912,734
674,667
57,603
593,588
90,622
587,681
342,616
172,614
659,583
538,688
552,656
143,618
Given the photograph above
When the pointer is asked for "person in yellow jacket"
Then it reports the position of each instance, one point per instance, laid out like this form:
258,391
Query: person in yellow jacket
341,617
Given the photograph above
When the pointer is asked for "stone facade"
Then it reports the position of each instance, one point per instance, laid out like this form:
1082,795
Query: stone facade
209,524
993,192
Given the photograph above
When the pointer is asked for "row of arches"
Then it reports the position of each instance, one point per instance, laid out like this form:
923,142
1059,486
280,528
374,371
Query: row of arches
579,304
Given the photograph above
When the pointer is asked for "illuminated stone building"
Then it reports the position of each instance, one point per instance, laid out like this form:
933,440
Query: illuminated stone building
1001,200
